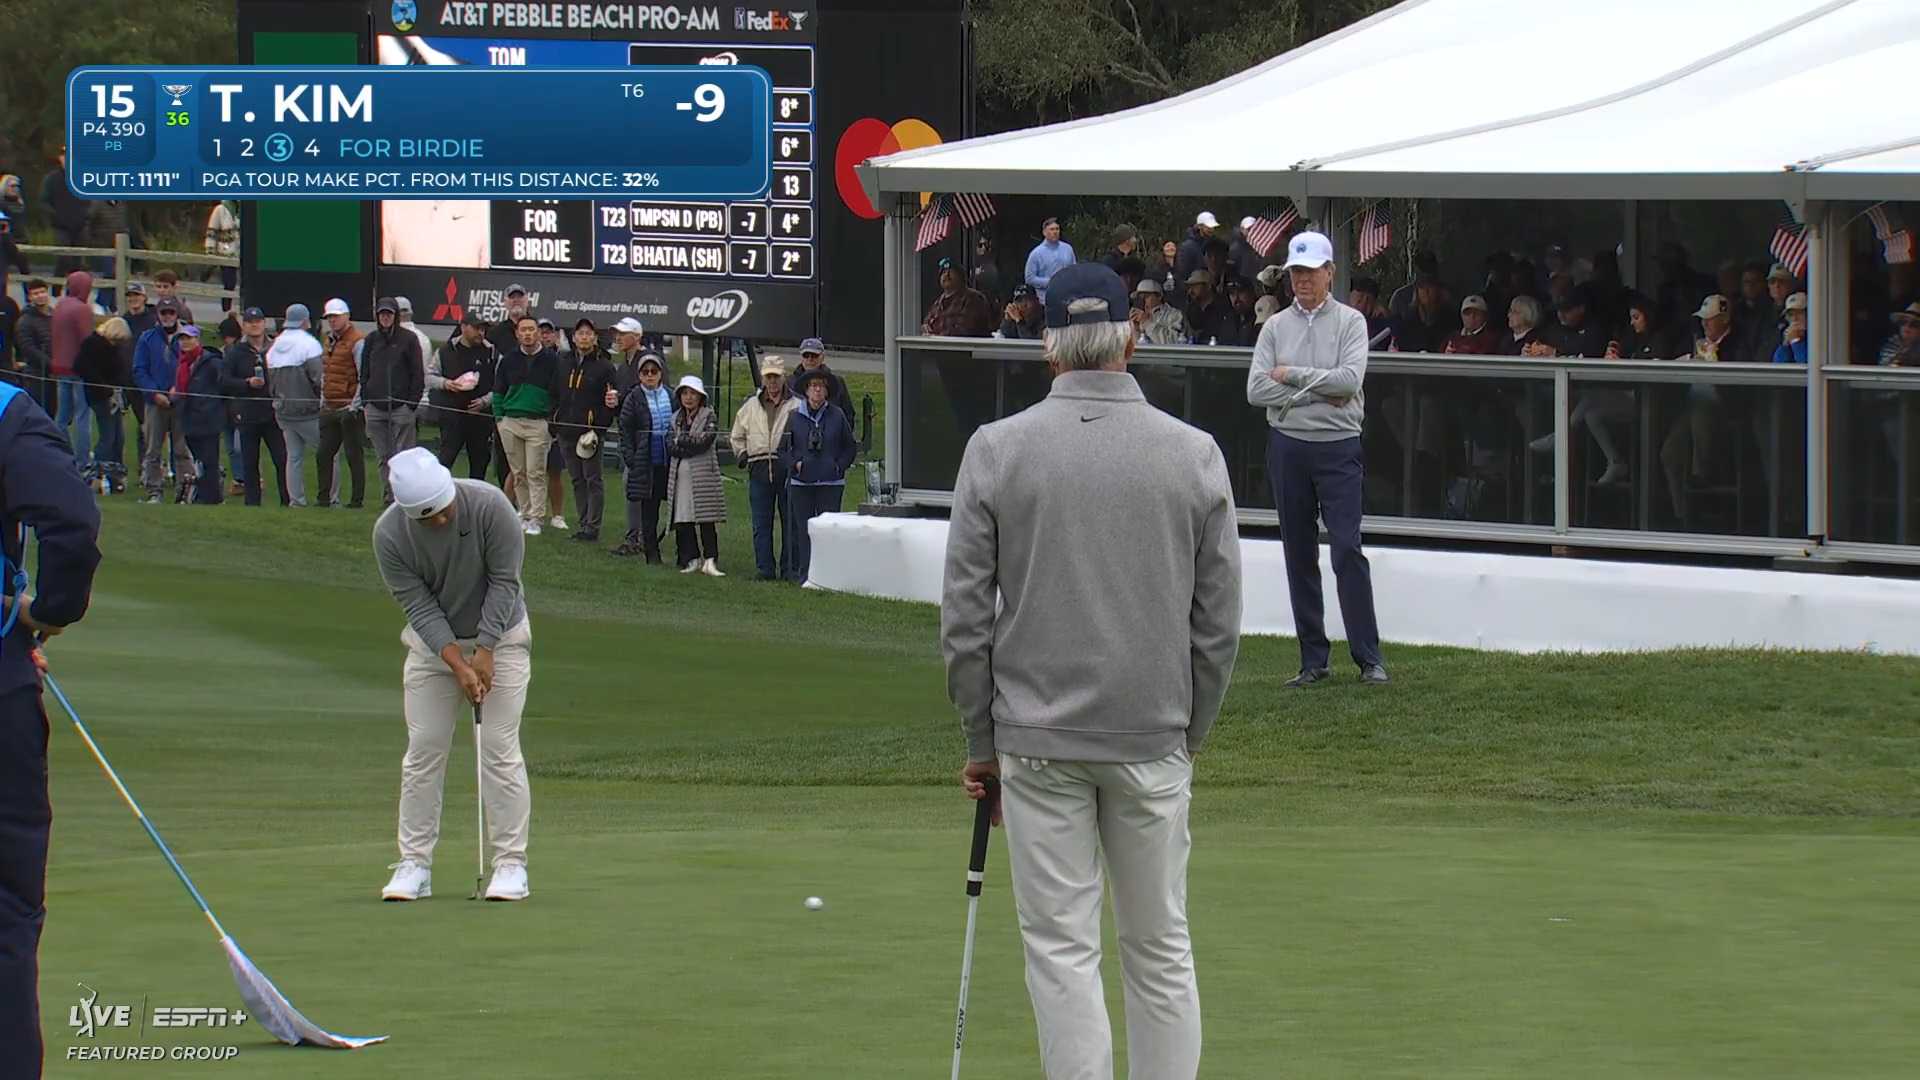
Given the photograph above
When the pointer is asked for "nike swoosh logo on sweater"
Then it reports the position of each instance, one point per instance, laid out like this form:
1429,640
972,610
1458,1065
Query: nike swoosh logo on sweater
1091,419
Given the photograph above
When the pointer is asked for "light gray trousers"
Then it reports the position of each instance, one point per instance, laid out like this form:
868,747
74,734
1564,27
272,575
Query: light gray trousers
1063,819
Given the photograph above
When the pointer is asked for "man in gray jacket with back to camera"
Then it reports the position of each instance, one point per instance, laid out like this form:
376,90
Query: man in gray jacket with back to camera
1308,365
1090,620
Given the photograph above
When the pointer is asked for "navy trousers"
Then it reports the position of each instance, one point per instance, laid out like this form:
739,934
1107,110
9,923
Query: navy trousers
26,819
809,502
767,500
1324,479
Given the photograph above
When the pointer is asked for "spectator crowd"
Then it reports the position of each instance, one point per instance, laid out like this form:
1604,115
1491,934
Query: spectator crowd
537,408
1213,286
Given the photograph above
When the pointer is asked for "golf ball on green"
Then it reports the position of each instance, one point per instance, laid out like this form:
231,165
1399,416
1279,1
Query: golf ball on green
814,903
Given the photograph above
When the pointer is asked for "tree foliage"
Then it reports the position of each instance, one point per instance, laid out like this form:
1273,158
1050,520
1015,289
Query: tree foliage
41,41
1044,60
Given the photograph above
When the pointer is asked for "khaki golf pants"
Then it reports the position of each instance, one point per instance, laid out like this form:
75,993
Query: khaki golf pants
525,443
1062,819
436,710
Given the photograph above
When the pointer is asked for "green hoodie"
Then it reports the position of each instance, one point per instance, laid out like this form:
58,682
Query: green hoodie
523,385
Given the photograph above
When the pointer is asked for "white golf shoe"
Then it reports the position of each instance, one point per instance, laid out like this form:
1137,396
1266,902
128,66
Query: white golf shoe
509,882
558,522
533,528
410,881
711,568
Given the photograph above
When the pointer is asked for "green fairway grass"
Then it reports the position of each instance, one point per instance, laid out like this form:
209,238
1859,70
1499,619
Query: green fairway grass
1697,864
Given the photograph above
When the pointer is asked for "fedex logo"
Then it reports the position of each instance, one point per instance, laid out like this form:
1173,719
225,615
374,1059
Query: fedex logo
768,21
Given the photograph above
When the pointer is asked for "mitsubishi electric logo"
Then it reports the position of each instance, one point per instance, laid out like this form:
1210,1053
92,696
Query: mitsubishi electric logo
769,21
711,315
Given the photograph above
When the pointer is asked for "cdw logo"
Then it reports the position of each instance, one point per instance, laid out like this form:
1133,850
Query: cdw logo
710,315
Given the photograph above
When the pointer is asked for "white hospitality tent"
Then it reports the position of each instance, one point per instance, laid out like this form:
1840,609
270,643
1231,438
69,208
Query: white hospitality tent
1804,101
1727,99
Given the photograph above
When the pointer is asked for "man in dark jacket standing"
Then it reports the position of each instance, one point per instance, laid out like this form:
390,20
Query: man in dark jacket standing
201,413
818,451
460,388
587,406
67,211
245,381
393,378
41,490
813,358
1193,250
33,343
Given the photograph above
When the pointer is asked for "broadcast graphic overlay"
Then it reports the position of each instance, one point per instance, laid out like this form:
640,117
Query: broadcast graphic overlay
739,266
278,132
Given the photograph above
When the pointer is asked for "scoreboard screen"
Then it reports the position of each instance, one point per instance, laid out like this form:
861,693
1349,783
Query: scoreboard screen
745,268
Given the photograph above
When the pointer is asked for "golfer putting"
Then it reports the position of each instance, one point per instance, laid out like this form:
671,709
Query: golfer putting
1105,530
450,552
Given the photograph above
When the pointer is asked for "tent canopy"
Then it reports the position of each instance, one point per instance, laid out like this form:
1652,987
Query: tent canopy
1506,99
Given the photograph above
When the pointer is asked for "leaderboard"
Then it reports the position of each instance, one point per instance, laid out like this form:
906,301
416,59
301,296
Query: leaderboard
773,238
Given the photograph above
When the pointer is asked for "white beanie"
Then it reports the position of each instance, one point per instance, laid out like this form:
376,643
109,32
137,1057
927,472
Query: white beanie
422,487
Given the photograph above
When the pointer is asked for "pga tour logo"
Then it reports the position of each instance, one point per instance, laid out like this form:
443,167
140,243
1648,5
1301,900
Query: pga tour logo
711,315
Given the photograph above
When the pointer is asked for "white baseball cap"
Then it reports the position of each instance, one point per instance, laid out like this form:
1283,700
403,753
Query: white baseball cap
628,325
1206,218
1309,249
406,305
336,306
1246,223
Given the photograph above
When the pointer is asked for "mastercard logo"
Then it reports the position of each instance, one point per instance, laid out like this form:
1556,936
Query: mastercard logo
869,138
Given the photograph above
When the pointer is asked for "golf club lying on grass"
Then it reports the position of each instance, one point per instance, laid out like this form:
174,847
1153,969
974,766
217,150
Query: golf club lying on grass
480,807
976,874
264,1001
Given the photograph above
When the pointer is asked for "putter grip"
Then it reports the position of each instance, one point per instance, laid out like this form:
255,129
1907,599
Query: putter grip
982,831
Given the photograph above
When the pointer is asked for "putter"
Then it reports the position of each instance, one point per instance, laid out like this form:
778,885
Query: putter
976,874
480,810
264,1001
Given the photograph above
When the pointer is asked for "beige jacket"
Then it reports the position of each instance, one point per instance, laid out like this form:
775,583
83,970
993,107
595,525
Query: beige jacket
757,430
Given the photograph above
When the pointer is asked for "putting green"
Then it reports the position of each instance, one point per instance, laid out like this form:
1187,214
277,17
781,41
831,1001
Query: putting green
1525,867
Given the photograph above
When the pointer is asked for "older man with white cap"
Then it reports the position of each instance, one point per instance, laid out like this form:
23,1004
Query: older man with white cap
1075,524
1308,366
450,551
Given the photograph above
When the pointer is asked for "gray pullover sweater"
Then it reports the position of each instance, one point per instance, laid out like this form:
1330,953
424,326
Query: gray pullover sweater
1325,355
460,582
1091,610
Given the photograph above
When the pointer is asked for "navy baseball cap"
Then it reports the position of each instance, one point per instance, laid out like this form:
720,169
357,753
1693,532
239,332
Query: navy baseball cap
944,265
814,346
1086,281
253,313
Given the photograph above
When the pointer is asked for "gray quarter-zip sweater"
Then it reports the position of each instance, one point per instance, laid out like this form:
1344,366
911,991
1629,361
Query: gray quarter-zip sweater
459,582
1091,610
1328,344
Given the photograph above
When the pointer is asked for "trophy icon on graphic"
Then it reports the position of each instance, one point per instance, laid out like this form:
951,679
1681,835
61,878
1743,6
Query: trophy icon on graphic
177,91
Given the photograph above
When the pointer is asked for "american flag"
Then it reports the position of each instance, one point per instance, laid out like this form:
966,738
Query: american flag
974,208
1789,246
935,224
1376,232
1882,226
1899,248
1265,234
1895,242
